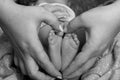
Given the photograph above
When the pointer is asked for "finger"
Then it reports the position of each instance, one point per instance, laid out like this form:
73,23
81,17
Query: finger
15,60
75,24
51,20
33,70
90,63
76,78
22,67
42,58
76,64
92,48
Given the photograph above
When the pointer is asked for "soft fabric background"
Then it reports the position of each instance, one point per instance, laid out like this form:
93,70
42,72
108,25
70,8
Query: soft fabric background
7,72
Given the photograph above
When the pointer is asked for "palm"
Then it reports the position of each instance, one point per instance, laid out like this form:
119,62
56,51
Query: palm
101,25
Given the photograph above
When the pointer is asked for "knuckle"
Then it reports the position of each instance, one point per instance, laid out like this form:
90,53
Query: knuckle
32,74
42,10
39,10
51,17
54,18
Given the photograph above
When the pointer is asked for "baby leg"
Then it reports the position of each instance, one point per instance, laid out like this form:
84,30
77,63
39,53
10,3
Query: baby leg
55,49
70,46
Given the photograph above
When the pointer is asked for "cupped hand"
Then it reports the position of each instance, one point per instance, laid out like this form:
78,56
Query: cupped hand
35,73
101,24
21,24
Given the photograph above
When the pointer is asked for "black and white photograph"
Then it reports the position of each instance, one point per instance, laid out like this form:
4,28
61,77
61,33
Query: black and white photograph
59,39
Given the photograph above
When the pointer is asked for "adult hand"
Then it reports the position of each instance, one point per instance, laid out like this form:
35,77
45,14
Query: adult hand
21,24
39,75
101,24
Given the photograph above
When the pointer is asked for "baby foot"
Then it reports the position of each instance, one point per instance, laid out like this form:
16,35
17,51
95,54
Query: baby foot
70,46
55,49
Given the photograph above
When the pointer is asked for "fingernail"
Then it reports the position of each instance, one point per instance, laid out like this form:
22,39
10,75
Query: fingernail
61,29
59,77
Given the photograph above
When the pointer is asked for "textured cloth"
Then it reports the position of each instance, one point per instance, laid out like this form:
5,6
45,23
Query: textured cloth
79,6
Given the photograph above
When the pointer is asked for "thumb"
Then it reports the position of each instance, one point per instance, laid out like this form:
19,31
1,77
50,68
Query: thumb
75,24
52,20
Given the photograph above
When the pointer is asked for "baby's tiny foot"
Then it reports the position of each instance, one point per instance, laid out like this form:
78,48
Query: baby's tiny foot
55,49
70,46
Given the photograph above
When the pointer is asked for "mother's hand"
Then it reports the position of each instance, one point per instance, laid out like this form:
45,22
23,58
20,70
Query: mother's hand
21,23
101,24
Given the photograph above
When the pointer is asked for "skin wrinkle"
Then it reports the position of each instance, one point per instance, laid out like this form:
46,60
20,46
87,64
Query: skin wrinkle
100,74
78,6
113,71
77,9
